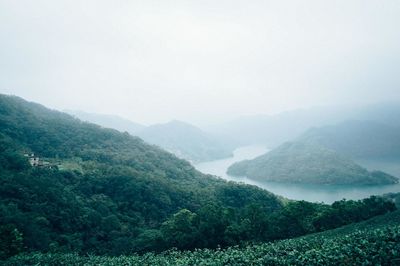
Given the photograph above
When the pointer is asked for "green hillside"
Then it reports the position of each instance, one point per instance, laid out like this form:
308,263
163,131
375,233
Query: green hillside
92,190
374,242
99,190
298,162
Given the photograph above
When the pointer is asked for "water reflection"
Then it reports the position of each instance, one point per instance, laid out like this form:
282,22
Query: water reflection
314,193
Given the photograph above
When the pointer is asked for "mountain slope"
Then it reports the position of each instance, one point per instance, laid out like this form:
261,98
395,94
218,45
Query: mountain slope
98,190
186,141
298,162
108,121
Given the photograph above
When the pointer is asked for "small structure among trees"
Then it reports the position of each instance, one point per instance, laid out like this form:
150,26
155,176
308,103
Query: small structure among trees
36,162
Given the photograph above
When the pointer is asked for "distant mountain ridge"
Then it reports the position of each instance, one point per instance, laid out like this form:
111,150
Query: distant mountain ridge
273,130
182,139
186,141
358,139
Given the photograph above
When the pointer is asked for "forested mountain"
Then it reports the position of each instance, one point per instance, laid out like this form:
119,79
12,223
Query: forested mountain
187,141
96,190
299,162
108,121
273,130
358,139
100,190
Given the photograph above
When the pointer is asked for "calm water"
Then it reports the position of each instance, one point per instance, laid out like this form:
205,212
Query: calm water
314,193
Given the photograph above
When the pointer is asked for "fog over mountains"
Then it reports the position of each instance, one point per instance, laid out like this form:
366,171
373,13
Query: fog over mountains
358,139
184,140
325,152
110,121
273,130
205,132
359,132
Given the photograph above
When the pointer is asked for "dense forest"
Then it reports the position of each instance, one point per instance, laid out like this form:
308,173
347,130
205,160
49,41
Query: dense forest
374,242
104,192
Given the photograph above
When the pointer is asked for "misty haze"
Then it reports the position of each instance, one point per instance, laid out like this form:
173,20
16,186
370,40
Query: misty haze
199,132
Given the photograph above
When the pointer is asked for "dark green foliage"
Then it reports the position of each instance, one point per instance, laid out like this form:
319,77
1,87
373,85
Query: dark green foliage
374,242
11,241
180,230
299,162
212,223
215,225
115,201
10,159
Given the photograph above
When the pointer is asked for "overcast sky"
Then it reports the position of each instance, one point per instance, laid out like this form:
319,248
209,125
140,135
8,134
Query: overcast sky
199,61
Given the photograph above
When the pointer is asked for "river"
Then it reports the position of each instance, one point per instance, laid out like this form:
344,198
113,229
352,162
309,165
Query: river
313,193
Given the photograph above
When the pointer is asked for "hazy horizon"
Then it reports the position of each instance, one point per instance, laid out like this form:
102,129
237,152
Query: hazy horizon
199,62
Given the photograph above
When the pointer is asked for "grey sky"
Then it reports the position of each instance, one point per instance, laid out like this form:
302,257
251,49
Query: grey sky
199,61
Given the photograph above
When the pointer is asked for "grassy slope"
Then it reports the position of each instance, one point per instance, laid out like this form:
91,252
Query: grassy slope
373,242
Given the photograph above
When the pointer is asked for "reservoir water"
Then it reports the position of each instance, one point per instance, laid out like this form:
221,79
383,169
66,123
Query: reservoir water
313,193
